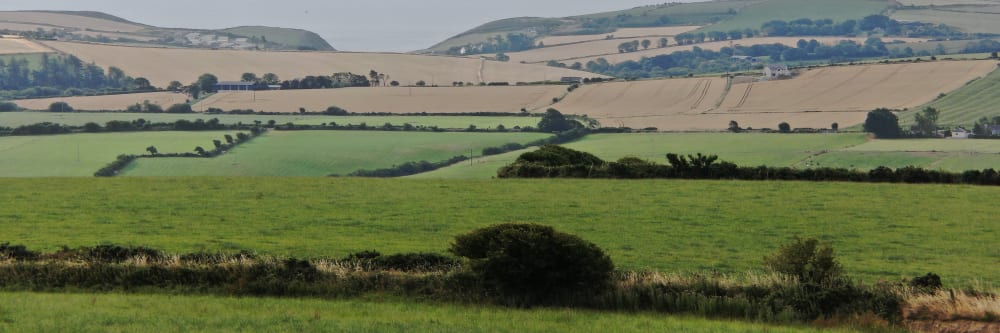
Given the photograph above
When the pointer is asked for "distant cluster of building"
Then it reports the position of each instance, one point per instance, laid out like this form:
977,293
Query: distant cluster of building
217,41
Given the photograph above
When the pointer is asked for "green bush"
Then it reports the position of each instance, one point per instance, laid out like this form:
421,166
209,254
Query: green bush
8,107
180,108
532,263
60,107
806,260
16,252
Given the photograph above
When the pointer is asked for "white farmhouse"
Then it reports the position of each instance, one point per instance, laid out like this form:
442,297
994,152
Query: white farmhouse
960,133
776,71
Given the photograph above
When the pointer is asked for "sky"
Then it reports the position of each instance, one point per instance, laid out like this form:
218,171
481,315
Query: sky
351,25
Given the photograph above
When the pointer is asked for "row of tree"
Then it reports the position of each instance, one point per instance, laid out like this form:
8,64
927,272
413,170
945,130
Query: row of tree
58,75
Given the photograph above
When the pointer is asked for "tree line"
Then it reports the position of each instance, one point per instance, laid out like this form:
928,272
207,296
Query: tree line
553,161
62,75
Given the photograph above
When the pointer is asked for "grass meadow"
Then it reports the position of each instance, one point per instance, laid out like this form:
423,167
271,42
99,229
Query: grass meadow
80,155
756,15
15,119
880,231
965,105
37,312
320,153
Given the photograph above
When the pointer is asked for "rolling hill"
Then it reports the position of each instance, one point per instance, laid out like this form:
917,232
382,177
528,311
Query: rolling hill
105,28
162,65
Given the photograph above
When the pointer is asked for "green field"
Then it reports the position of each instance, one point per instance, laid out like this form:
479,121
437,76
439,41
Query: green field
743,149
753,17
880,231
320,153
80,155
15,119
292,38
965,105
35,312
967,21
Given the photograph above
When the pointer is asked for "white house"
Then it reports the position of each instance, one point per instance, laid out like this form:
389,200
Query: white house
960,133
776,71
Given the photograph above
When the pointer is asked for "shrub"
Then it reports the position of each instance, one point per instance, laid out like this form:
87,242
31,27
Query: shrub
336,111
180,108
60,107
8,107
806,260
16,252
928,283
533,263
414,262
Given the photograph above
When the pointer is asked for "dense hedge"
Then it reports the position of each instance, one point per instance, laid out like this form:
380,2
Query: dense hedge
558,162
115,167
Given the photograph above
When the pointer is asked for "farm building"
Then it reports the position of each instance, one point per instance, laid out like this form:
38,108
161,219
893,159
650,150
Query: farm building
776,71
960,133
239,86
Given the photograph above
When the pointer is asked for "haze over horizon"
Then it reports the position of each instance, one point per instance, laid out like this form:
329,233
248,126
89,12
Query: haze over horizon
387,25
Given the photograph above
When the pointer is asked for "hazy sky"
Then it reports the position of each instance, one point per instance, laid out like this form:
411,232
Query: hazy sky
354,25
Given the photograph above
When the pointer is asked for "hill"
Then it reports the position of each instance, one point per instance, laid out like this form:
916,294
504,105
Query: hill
303,39
963,107
162,65
724,16
105,28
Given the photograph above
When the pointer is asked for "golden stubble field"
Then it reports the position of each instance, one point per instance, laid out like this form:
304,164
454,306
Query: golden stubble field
391,99
608,49
815,99
21,46
162,65
108,102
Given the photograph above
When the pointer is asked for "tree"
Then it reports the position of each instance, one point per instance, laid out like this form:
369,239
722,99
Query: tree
926,121
60,107
8,107
200,150
734,127
646,43
394,83
195,90
784,127
554,121
152,150
271,78
207,82
883,123
503,57
421,83
373,77
175,86
663,42
142,84
229,139
180,108
336,111
835,127
91,127
534,262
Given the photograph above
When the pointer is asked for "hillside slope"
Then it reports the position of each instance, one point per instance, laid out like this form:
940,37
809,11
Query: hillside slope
105,28
162,65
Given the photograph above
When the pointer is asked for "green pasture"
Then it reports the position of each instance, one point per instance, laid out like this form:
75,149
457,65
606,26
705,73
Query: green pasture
478,168
966,105
37,312
967,21
15,119
880,231
755,16
938,154
80,155
320,153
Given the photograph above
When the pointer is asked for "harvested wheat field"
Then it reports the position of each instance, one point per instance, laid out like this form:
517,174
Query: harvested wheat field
20,46
622,103
162,65
391,100
620,33
107,102
609,51
814,99
69,21
855,88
